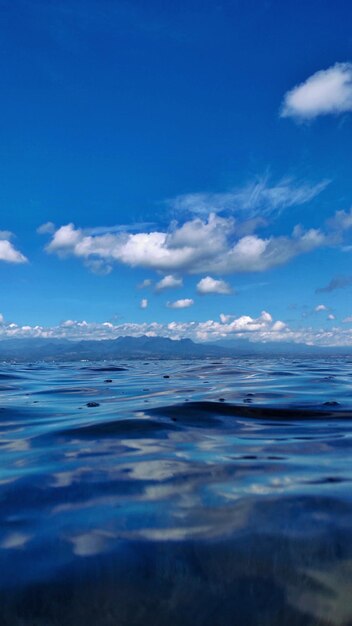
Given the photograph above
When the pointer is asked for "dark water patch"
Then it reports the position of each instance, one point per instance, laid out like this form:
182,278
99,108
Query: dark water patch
119,428
281,373
9,376
15,412
110,368
76,391
272,580
328,480
223,408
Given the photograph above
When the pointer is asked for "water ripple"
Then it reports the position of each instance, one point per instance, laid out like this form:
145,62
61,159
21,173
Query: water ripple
177,492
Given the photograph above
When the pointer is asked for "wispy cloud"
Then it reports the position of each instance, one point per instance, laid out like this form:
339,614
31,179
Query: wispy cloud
50,228
326,91
119,228
211,285
338,282
258,198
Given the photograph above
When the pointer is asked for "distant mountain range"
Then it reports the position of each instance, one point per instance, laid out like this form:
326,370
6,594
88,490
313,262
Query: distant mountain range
40,349
122,347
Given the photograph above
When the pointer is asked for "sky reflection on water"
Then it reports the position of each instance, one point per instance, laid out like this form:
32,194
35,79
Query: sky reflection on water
183,509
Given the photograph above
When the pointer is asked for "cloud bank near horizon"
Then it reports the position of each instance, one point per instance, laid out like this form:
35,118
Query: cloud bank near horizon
261,329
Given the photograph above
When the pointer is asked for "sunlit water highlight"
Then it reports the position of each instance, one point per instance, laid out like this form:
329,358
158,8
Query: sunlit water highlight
189,492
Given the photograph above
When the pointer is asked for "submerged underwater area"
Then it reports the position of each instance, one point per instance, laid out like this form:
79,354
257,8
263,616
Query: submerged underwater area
176,492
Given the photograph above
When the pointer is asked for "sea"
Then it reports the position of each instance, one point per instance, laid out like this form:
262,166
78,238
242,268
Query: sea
176,493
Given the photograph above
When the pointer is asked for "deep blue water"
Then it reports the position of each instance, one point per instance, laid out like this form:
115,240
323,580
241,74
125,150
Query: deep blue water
194,493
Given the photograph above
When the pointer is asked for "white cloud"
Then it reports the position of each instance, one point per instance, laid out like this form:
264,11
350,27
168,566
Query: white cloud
196,246
278,326
144,303
9,253
230,325
256,329
169,282
211,285
181,304
347,320
331,317
327,91
320,307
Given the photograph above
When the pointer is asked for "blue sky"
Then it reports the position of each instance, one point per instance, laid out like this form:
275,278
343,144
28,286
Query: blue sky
206,145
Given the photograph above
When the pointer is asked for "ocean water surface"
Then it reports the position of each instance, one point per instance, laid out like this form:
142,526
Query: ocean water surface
176,492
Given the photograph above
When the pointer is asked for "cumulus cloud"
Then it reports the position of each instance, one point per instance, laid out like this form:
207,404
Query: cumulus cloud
8,252
338,282
169,282
326,91
320,307
331,317
228,326
256,329
256,199
211,285
196,246
143,303
180,304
